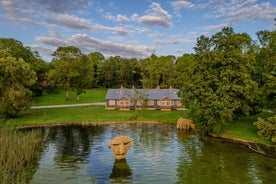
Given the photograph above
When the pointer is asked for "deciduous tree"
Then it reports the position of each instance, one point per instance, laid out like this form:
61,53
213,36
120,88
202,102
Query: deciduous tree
64,63
16,76
219,86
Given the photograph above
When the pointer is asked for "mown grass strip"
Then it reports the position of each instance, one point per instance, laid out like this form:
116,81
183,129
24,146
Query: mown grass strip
90,96
91,114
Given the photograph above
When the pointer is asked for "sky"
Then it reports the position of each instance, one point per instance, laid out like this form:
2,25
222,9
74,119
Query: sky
129,28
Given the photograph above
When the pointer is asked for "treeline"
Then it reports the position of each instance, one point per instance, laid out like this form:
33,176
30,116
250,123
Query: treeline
229,75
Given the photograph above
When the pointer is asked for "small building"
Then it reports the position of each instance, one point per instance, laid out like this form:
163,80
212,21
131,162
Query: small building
154,99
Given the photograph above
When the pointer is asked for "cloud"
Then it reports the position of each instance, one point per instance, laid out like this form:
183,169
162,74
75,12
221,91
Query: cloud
70,21
157,17
50,41
216,27
42,50
90,44
174,40
122,18
63,6
243,10
179,5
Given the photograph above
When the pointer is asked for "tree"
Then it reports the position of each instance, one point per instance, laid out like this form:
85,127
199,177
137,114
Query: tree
63,66
84,75
16,76
158,71
98,60
219,86
18,50
265,73
267,128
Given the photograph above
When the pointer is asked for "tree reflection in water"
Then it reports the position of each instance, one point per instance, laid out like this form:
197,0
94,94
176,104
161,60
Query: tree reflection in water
120,170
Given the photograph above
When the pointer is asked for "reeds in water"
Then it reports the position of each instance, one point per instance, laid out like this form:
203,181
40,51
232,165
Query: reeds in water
18,152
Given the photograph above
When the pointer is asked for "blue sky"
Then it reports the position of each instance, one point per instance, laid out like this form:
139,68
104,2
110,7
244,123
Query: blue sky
129,28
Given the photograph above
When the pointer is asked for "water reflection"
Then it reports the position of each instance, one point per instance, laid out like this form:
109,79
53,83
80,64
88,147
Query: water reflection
159,154
120,170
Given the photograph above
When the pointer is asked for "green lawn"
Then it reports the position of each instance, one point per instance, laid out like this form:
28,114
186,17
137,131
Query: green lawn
245,130
91,95
91,114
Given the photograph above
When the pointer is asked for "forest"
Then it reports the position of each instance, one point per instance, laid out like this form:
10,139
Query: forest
228,76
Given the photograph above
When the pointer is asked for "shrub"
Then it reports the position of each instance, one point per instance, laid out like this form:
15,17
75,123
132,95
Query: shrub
267,128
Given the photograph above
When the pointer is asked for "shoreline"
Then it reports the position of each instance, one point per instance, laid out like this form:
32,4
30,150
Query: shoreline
260,148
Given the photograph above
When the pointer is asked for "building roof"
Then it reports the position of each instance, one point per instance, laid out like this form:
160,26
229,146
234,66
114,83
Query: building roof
152,94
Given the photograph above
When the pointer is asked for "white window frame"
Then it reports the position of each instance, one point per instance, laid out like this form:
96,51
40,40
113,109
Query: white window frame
111,102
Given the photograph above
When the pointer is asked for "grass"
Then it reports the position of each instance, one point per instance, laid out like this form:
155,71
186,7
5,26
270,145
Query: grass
90,114
18,152
91,95
245,130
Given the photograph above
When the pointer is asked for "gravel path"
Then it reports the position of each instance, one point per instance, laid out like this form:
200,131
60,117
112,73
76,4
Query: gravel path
67,105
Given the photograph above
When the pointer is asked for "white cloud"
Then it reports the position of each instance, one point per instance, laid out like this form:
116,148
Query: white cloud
157,17
179,5
90,44
122,18
173,40
71,21
243,10
50,41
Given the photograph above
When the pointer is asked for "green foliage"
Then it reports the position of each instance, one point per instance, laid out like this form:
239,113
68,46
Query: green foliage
16,49
84,77
267,128
265,73
65,66
16,77
217,84
158,71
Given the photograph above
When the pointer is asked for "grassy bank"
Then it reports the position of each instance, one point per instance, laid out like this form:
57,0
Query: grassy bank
244,129
90,114
18,152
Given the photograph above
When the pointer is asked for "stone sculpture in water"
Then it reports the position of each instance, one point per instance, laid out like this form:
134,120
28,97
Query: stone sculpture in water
120,146
185,124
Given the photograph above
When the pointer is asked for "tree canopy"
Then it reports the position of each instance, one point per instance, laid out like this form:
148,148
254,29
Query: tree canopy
16,76
217,85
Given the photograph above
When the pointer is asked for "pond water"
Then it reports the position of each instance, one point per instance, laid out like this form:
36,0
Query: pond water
158,154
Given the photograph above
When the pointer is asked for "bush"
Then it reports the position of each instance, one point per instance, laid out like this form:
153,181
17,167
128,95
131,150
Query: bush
267,129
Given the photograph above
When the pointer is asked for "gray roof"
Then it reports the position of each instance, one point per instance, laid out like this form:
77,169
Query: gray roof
152,94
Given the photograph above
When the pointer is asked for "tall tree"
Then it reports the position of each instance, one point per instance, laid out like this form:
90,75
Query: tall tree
158,71
220,87
63,66
16,76
98,60
84,75
265,73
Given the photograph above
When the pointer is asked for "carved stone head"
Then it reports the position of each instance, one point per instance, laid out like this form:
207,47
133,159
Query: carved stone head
120,146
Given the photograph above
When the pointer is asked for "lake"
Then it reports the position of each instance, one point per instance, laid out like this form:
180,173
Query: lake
159,154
